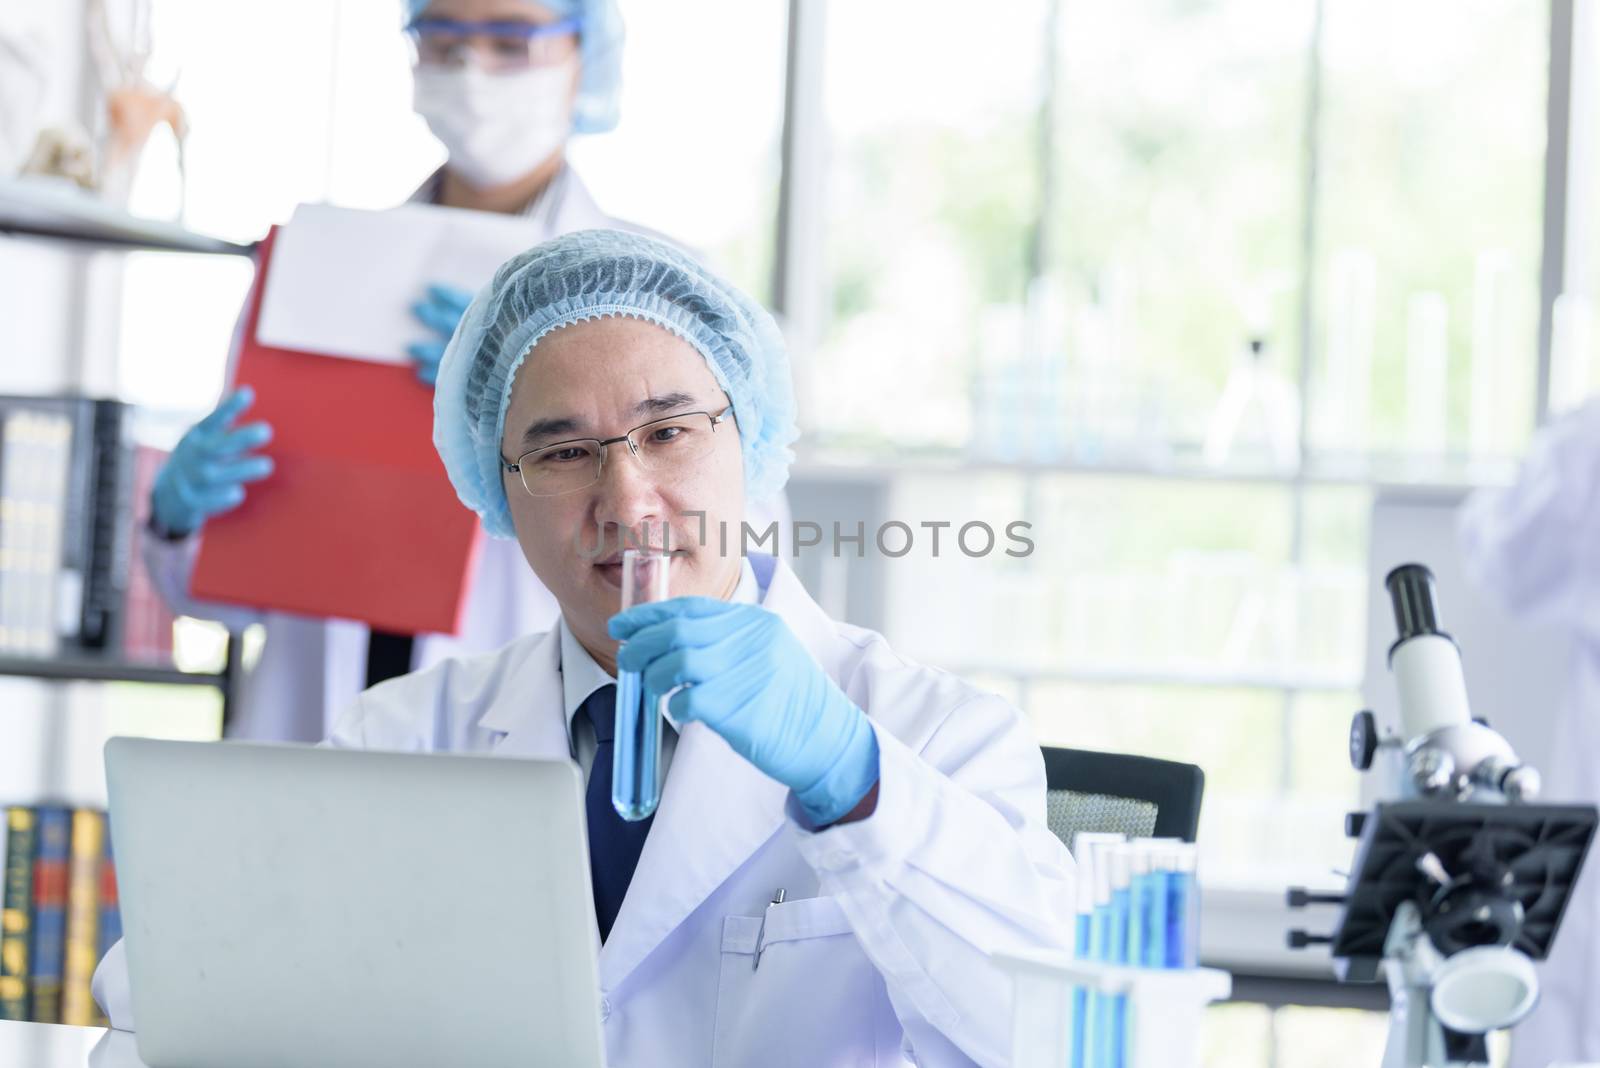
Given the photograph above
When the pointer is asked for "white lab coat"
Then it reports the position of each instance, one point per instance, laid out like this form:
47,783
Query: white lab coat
310,668
879,954
1535,547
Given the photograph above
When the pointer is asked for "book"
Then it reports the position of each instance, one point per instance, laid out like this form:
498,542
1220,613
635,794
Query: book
16,914
64,486
110,914
104,456
83,917
35,469
54,834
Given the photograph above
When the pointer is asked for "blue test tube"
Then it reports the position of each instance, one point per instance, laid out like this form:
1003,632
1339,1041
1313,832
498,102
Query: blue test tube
1120,863
1183,908
1150,900
1101,941
636,754
1138,902
636,759
1086,848
1160,896
1141,930
1082,920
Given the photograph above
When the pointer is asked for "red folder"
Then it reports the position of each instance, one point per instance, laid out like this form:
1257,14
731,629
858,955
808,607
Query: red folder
358,519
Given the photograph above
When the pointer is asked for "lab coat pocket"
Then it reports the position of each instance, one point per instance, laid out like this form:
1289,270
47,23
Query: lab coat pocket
811,998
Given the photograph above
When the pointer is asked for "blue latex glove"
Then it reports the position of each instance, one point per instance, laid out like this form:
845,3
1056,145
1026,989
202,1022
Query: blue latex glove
207,472
439,311
749,679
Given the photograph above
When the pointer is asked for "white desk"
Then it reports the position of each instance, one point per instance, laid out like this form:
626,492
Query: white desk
31,1045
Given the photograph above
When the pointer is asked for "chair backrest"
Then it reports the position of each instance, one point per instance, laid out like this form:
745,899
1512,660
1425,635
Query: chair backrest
1140,797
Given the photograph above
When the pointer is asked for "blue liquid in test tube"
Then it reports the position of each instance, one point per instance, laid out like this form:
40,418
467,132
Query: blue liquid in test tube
1080,999
1183,910
1120,920
1087,943
636,758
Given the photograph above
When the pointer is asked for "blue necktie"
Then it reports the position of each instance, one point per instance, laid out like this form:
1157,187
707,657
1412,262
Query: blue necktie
614,843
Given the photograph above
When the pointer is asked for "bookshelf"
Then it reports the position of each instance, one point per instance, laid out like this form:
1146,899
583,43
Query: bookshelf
75,505
57,211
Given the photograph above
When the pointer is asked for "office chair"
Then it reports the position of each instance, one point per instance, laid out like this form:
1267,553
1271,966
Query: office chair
1140,797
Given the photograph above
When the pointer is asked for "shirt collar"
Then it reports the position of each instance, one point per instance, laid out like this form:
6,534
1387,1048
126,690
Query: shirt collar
581,676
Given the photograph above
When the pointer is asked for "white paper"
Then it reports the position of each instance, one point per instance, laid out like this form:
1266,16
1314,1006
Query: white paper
342,281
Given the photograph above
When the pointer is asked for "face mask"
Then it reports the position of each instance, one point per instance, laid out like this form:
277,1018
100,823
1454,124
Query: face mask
497,127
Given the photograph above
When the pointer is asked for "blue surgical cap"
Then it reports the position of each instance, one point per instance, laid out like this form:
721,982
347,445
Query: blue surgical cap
592,274
600,52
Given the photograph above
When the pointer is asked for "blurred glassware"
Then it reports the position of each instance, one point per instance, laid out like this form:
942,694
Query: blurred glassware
1256,421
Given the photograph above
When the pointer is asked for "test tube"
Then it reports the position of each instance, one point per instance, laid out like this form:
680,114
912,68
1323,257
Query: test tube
1085,852
636,756
1139,932
1080,948
1100,949
1183,908
1120,862
1150,899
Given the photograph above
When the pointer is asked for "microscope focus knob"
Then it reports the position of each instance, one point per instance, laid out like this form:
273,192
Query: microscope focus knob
1299,939
1521,784
1299,897
1363,740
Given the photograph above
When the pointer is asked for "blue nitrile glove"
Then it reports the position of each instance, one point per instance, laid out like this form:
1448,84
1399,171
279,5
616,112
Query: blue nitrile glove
749,679
439,311
207,472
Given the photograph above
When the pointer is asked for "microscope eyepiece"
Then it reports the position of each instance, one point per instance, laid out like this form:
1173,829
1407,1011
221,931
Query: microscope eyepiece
1411,591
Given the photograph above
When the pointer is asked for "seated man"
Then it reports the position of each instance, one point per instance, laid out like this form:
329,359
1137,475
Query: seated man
606,382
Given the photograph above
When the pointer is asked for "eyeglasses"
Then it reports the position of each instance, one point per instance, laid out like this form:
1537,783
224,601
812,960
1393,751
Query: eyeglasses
667,448
497,46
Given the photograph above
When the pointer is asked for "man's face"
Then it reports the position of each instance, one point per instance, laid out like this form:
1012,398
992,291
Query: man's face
601,378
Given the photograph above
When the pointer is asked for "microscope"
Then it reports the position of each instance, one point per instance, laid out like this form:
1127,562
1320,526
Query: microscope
1461,876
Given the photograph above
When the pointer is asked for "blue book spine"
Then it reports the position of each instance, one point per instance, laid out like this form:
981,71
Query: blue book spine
110,914
50,912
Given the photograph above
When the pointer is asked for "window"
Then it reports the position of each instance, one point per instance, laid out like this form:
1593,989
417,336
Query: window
695,154
1053,239
1430,209
1574,361
932,194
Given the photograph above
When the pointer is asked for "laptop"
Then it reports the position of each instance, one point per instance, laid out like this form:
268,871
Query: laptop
296,905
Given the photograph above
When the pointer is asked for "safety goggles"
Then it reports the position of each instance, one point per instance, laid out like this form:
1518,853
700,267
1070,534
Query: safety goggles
495,46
